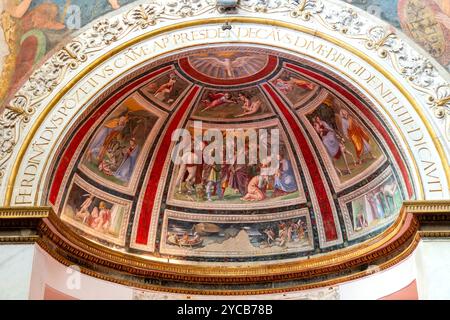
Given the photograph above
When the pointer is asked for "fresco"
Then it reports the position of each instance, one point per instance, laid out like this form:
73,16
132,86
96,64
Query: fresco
375,207
238,105
228,64
293,87
238,239
331,171
348,145
166,89
117,145
427,22
95,213
233,183
31,28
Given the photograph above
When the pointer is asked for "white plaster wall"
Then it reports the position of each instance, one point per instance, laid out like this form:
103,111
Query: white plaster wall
381,284
433,269
47,271
15,271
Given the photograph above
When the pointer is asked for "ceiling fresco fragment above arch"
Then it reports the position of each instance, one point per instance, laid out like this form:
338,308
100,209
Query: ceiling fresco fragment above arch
340,180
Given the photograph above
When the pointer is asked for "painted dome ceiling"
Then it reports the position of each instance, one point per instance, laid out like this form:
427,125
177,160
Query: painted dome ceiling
339,180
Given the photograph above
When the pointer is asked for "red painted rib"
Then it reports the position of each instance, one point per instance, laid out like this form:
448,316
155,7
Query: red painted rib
319,187
270,67
369,115
156,171
80,134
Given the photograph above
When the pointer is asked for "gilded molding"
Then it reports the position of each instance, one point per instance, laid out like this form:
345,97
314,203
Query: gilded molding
20,225
24,212
67,247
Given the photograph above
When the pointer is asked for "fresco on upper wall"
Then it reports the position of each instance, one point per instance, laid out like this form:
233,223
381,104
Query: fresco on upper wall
29,29
228,64
427,22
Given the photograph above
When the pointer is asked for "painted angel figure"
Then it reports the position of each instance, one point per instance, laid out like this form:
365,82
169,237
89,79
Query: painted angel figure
217,99
249,107
270,236
165,89
443,16
229,65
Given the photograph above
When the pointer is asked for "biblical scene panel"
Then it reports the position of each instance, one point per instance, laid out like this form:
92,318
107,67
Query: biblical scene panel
232,105
346,145
245,180
100,215
224,237
166,90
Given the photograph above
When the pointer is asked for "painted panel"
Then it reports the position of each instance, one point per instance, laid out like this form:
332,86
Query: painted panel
236,236
98,215
118,146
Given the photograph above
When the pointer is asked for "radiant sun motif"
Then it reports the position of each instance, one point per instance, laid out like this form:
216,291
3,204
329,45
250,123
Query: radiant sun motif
228,64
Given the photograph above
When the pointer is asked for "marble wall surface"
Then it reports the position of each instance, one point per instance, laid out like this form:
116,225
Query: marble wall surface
433,269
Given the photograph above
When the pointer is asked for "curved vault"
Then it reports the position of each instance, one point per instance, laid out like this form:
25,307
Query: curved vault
328,196
108,173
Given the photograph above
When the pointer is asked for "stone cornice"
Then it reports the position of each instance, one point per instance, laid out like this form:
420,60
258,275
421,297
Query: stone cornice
41,225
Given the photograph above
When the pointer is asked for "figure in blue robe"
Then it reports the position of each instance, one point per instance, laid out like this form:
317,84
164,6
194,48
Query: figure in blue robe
125,170
285,181
110,130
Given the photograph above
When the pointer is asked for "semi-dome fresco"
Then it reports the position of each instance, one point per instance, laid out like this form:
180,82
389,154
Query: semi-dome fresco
338,177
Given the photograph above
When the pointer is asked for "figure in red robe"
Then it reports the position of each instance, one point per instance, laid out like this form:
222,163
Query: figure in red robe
217,99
